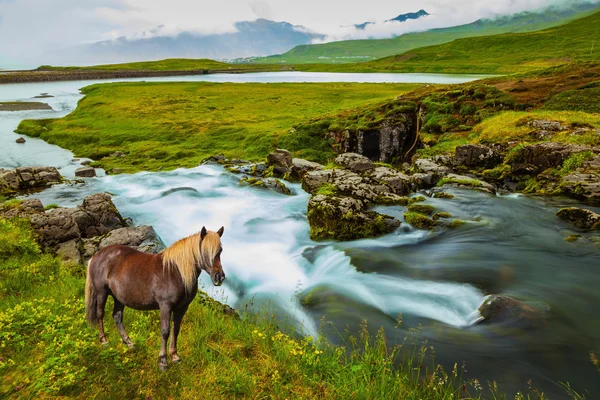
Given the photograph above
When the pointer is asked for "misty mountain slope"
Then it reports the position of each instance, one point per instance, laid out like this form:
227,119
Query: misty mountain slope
578,40
399,18
260,37
356,50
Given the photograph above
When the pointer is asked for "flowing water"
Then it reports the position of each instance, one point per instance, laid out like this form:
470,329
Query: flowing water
514,245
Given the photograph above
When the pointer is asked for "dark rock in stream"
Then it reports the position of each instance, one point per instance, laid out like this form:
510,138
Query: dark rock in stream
20,140
25,178
581,218
506,310
85,172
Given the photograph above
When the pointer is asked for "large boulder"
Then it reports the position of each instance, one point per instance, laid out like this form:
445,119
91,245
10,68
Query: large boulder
301,167
346,218
584,183
429,166
70,251
280,158
539,157
21,209
85,172
477,156
143,238
581,218
313,180
98,216
268,183
354,162
466,182
55,227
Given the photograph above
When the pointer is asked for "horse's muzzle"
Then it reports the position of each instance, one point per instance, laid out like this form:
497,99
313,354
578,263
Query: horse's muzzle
218,278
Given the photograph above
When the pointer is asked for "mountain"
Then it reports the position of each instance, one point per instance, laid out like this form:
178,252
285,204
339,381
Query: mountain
369,49
399,18
252,38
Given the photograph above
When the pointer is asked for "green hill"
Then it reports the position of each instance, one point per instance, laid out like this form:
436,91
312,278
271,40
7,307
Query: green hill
350,51
578,40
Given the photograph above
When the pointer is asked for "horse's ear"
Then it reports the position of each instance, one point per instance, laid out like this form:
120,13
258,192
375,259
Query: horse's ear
220,231
203,232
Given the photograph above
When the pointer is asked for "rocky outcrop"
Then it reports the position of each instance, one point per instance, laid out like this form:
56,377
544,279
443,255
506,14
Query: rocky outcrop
581,218
280,158
75,234
391,142
584,182
268,183
466,182
534,159
25,178
477,156
354,162
346,218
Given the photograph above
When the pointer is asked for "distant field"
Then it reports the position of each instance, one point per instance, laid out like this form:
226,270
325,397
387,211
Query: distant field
170,125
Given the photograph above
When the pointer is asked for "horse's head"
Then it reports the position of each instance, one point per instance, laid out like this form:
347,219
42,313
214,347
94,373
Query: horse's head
210,249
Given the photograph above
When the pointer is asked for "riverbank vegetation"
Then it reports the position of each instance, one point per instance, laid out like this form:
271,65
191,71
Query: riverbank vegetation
170,125
47,350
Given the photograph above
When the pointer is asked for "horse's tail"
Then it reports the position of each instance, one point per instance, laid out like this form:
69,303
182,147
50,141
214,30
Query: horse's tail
91,301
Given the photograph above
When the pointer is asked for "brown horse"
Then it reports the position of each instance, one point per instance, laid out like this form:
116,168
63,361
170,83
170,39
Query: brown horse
167,281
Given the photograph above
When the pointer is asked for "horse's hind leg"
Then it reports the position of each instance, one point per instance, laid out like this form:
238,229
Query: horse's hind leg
118,317
177,317
102,295
165,325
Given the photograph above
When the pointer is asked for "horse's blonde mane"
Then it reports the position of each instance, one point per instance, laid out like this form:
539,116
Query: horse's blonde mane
186,253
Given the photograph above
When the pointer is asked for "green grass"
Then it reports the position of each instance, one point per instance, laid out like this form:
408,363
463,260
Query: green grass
170,125
48,350
170,64
586,98
351,51
505,53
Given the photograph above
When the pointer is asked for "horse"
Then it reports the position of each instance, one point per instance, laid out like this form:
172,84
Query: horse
167,281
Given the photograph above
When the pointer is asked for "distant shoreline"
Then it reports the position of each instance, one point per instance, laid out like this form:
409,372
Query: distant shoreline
29,76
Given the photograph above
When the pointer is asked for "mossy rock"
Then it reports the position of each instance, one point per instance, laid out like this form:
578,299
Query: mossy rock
425,209
572,238
345,218
418,199
457,223
443,195
419,221
442,214
581,218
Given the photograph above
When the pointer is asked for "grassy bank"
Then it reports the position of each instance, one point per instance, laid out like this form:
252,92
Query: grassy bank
47,350
169,125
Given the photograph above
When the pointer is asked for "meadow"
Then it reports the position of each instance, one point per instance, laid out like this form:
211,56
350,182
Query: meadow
172,125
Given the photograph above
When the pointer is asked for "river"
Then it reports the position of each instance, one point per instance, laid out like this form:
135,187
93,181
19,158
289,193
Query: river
514,246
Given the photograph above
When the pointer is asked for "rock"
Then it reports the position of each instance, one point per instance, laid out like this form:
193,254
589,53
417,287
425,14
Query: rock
581,218
142,238
85,172
55,227
219,159
546,125
279,171
313,180
116,171
24,178
466,182
69,252
420,181
269,183
396,181
101,216
477,156
539,157
419,220
346,218
20,140
23,209
118,154
86,162
584,183
280,158
354,162
307,165
504,309
428,166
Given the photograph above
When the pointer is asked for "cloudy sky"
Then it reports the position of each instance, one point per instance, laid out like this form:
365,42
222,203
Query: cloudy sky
29,28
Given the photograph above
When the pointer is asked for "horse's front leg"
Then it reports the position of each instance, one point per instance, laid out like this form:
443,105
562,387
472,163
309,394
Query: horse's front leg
177,317
165,325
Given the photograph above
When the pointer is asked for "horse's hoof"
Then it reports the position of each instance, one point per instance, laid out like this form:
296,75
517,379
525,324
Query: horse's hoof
104,342
162,367
176,359
130,345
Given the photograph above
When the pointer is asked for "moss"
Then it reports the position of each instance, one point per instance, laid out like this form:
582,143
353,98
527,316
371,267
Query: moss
572,238
418,199
443,195
11,204
419,221
443,214
425,209
460,181
327,189
51,206
252,181
457,223
497,174
575,161
386,200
